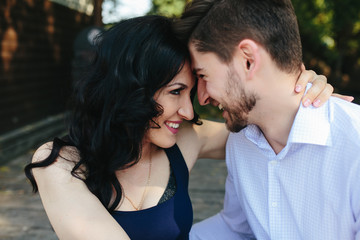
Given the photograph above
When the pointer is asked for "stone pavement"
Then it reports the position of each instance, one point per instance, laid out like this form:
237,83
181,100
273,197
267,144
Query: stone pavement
22,216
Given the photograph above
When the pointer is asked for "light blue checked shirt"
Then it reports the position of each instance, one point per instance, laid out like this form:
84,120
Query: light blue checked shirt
310,190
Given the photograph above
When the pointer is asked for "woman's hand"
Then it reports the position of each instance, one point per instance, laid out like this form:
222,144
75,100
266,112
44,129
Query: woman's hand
320,90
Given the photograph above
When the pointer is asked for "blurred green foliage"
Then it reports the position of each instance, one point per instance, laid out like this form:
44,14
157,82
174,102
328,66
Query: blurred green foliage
330,34
169,8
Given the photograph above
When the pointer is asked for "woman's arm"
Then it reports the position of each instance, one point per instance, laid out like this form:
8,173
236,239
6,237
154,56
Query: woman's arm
213,137
74,212
202,141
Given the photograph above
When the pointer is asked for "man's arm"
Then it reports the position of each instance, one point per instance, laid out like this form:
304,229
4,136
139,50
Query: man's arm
230,223
355,201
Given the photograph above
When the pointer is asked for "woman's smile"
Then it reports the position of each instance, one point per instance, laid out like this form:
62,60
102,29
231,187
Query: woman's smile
173,126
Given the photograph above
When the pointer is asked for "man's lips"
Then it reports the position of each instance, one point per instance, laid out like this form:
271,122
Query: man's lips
224,114
220,107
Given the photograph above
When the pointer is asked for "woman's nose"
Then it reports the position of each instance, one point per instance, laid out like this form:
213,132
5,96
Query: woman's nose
187,109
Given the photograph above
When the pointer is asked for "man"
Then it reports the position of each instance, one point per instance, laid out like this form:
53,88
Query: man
293,172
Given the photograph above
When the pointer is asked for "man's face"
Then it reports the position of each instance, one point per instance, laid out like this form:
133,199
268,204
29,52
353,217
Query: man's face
220,84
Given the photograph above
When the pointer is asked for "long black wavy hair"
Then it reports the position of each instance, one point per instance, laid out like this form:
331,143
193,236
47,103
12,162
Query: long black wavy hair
113,105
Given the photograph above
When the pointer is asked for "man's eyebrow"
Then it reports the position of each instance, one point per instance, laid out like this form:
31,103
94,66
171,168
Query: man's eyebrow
195,70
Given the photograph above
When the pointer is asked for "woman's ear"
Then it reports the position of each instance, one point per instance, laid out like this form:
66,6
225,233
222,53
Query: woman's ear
250,55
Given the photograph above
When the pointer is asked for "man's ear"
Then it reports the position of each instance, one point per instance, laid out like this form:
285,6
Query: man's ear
250,55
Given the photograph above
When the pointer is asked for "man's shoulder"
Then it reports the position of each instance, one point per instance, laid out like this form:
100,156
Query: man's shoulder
345,118
343,111
343,103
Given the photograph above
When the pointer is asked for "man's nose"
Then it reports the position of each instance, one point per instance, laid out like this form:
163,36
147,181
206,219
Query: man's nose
203,96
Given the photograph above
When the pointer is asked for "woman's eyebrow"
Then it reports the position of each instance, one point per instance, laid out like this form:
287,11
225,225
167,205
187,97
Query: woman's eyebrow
177,83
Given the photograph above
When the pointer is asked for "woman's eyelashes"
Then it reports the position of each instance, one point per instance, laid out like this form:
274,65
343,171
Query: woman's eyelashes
177,91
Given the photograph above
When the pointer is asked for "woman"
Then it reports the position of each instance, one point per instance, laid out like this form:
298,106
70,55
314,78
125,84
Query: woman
122,172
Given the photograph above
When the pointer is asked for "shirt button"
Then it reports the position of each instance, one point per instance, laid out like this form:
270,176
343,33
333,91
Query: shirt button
273,162
274,204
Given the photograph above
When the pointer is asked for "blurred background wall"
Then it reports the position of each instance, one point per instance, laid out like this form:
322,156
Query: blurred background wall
36,53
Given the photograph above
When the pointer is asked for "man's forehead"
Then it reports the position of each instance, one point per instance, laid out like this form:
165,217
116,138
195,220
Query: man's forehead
191,46
196,65
195,61
193,51
201,61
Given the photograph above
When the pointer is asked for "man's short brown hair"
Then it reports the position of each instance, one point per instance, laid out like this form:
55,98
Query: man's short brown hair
219,25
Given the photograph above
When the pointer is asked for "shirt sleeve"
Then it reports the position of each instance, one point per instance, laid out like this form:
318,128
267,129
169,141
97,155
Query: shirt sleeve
233,214
230,223
355,202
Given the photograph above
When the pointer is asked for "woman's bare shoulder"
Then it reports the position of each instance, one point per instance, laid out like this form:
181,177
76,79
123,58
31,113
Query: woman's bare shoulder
42,152
66,159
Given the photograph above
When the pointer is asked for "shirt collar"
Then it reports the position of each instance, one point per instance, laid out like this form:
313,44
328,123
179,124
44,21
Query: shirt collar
311,126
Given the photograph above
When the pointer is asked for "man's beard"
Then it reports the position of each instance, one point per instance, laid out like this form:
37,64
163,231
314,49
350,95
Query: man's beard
238,113
241,103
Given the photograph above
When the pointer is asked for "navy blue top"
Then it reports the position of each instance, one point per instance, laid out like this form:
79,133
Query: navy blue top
171,219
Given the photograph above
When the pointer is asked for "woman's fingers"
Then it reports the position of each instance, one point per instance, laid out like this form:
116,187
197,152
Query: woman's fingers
319,92
307,76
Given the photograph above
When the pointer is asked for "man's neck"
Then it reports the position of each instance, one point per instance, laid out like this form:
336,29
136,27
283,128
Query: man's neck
277,111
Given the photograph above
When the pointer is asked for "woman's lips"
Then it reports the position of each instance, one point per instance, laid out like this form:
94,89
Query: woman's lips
173,126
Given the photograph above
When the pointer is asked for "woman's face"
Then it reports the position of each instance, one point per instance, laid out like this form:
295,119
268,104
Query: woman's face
177,106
